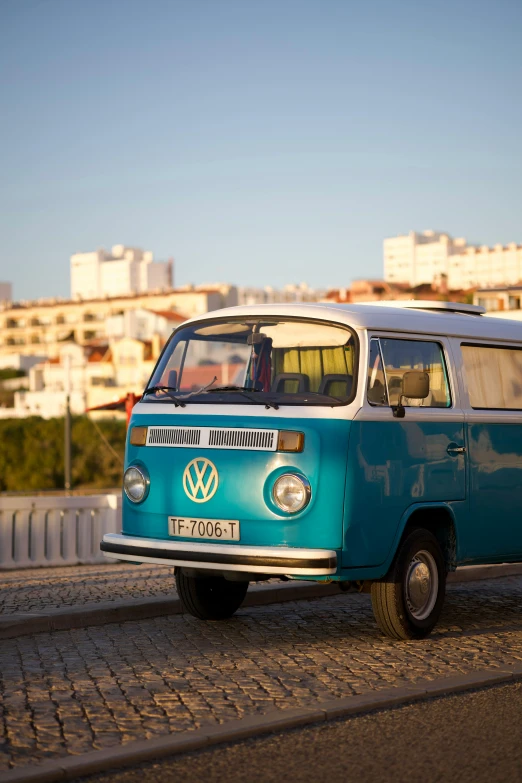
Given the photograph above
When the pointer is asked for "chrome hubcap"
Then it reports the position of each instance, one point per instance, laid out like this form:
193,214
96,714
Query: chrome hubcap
422,585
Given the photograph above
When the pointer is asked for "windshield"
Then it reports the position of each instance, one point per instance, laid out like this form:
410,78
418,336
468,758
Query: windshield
256,360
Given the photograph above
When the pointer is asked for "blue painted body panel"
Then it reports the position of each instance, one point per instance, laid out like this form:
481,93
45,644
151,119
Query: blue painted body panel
394,466
367,478
245,482
495,466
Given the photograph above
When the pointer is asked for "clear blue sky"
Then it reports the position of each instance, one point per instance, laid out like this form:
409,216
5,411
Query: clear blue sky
256,141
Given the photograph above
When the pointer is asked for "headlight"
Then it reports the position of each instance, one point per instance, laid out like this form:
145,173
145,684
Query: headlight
291,492
135,483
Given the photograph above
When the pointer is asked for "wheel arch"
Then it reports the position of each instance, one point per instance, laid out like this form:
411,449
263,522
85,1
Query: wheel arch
439,519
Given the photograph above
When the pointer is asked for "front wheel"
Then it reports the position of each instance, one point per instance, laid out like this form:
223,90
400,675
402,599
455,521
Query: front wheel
407,603
210,597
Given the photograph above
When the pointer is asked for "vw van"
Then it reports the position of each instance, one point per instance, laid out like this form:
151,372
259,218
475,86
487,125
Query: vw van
377,446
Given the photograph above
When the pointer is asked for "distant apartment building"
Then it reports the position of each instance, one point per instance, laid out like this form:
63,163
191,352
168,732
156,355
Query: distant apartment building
99,373
484,266
120,272
300,292
417,259
42,327
103,374
140,324
228,292
6,292
89,376
504,301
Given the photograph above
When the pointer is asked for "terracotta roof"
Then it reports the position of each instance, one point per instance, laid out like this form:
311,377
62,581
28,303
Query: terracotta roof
169,315
99,353
335,296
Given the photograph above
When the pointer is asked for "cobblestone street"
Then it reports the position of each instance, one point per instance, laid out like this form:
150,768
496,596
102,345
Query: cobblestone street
73,691
56,588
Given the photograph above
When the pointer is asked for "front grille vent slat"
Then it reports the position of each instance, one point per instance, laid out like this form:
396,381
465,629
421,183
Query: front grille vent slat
173,436
213,438
247,439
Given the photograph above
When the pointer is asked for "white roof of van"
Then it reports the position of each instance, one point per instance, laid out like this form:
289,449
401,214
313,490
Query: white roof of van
386,318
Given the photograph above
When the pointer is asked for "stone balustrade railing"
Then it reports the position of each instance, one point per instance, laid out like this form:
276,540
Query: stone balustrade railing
54,531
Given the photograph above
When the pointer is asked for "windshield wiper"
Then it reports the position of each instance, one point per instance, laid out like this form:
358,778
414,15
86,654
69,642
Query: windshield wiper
203,388
177,402
243,391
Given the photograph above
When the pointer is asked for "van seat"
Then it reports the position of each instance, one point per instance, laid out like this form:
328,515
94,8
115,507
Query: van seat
280,382
338,381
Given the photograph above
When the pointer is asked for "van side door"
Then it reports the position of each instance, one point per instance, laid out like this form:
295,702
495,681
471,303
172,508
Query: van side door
492,376
395,463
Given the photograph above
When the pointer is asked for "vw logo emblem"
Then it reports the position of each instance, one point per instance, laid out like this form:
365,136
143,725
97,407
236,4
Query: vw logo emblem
200,480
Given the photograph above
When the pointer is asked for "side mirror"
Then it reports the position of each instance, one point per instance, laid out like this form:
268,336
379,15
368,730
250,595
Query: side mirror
415,386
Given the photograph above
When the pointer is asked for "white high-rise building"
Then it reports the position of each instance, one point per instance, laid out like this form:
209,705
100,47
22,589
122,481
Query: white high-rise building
422,258
125,270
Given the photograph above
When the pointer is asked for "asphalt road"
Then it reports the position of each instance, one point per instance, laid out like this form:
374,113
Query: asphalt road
471,737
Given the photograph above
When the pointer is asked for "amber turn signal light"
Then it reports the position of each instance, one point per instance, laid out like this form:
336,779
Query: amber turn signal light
138,436
290,441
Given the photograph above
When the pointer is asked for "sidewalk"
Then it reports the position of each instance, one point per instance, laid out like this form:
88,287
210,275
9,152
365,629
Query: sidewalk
30,590
42,600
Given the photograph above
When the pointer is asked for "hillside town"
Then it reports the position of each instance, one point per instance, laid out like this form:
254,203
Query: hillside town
98,348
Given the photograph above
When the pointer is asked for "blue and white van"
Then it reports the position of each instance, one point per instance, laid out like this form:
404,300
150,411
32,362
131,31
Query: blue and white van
375,446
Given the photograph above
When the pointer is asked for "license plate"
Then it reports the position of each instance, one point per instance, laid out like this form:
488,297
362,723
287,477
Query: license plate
213,529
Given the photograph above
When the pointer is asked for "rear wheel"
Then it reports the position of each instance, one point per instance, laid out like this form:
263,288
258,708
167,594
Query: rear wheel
210,597
407,603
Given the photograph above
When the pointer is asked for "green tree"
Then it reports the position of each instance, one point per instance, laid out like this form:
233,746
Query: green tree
32,453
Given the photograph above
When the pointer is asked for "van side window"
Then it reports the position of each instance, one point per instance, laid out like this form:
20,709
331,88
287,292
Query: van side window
494,376
400,356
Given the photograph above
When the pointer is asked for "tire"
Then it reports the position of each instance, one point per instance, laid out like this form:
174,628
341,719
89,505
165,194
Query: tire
407,603
210,597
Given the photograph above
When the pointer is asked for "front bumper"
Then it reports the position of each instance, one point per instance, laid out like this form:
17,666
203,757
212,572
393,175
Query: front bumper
283,561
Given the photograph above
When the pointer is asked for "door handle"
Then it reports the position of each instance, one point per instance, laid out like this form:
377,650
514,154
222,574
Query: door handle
454,450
